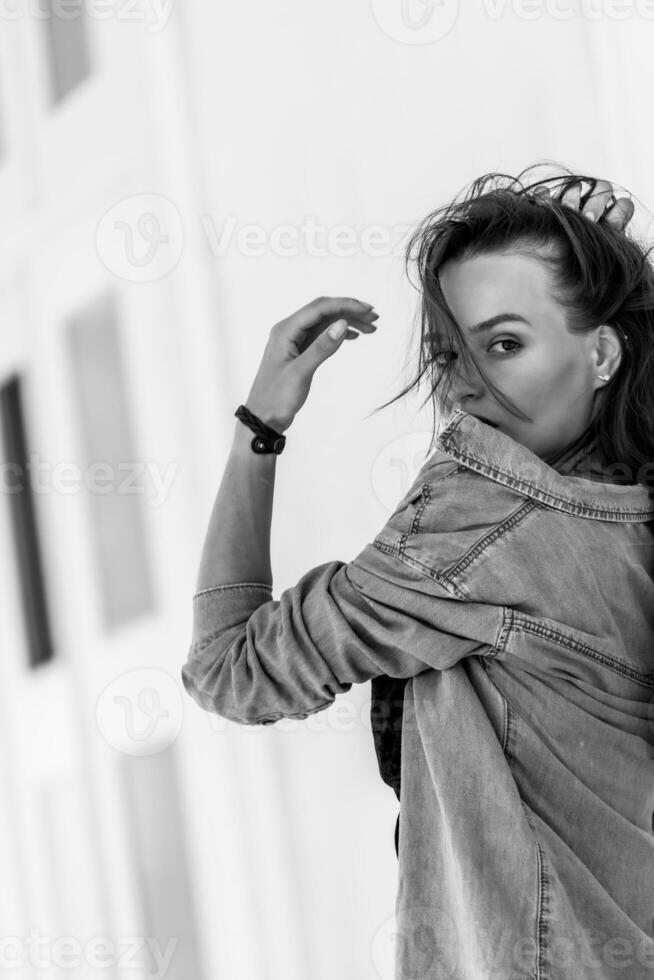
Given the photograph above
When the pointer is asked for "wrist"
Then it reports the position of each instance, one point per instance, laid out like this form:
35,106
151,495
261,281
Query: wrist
267,416
242,444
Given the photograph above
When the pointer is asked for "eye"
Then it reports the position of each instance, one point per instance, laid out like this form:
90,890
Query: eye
507,341
443,357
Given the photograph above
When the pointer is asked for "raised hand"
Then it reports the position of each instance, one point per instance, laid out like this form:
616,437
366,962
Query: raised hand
599,203
296,347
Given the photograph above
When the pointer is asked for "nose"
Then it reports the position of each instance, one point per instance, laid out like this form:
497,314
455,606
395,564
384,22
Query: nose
466,386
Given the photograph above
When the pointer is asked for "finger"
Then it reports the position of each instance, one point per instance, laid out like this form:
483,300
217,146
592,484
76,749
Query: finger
620,213
323,308
323,347
571,196
596,200
356,325
361,325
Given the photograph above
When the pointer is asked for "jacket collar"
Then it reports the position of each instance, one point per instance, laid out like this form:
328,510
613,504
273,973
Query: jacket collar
580,485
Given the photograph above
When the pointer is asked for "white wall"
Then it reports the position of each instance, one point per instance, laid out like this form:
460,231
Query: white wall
268,115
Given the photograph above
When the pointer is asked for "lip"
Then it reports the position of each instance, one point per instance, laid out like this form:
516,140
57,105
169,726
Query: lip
480,418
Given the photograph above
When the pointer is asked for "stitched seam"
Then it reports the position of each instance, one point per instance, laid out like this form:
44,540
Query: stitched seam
594,513
277,715
426,496
542,897
509,728
417,517
542,906
447,576
426,570
501,640
612,663
235,585
543,496
515,518
514,621
542,901
505,733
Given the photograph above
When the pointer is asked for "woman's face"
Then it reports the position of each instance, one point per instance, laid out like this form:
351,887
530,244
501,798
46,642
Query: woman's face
549,373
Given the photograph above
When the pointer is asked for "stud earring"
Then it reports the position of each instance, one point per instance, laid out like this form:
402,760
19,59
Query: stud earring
604,377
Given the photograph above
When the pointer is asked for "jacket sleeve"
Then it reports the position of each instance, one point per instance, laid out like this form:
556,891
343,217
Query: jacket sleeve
254,659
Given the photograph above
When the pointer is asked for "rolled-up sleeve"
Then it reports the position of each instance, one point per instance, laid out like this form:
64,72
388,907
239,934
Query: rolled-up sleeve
254,659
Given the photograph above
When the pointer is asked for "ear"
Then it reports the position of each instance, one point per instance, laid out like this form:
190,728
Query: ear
606,354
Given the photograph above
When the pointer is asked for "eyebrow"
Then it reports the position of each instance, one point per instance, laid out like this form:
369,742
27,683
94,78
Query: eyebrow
494,320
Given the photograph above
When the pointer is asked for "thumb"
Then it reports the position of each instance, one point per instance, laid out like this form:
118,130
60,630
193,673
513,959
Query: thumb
337,330
323,347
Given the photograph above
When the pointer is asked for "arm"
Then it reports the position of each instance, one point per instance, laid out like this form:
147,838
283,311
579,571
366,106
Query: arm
237,545
255,660
256,670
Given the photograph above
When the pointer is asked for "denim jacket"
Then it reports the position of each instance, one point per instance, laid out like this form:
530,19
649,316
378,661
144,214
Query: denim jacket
513,604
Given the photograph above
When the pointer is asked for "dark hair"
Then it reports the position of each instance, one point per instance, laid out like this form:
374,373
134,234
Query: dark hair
599,274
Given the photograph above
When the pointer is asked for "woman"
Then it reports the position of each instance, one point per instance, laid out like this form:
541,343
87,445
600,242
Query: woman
509,595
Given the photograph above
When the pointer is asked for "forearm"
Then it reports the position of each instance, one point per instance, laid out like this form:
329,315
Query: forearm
237,545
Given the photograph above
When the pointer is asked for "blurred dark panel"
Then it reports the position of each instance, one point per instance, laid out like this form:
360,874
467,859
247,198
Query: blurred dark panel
19,496
66,37
103,418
